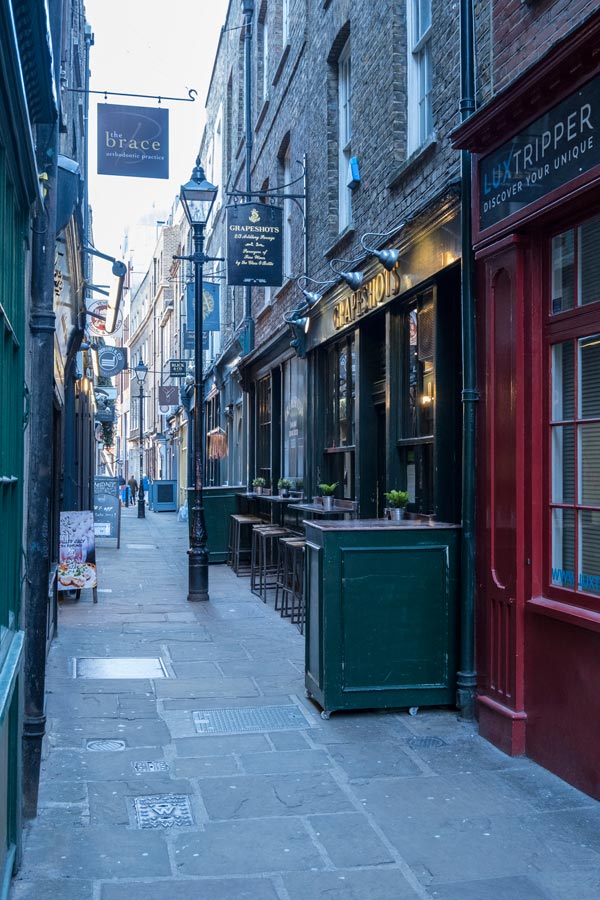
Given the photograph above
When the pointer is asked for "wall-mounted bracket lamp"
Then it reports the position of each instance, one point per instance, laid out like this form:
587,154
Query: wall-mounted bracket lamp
352,277
115,293
387,258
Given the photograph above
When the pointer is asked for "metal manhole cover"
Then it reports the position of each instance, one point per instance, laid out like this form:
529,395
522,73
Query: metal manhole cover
106,745
120,667
248,719
424,743
156,766
163,811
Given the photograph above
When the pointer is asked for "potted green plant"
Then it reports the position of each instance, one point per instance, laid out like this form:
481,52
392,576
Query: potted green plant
396,501
284,486
328,490
258,484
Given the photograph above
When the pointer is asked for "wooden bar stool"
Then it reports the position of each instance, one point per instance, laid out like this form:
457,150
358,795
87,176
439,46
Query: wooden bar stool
283,570
265,559
240,547
292,592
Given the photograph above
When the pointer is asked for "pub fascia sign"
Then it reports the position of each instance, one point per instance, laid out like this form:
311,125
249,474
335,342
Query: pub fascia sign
548,153
378,290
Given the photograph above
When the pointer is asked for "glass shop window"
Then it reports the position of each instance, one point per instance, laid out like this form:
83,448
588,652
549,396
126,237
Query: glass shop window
417,399
263,429
576,267
293,394
575,464
341,392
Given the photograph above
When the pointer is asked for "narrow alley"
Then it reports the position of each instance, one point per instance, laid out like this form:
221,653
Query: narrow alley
147,793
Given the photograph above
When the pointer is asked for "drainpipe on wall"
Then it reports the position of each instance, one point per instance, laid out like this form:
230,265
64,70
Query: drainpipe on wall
248,10
467,676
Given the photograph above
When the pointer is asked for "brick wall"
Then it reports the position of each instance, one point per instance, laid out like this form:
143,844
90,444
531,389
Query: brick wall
302,109
524,31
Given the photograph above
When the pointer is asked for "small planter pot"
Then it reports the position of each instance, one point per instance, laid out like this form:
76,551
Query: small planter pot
258,490
284,493
396,513
328,502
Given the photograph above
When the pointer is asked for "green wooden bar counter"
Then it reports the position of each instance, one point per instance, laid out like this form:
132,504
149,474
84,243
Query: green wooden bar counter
381,613
219,504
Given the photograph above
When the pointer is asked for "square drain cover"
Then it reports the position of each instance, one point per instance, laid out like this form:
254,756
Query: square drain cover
119,667
151,766
163,811
248,719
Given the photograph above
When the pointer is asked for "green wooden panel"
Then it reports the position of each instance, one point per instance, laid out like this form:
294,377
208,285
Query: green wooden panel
381,615
219,504
394,617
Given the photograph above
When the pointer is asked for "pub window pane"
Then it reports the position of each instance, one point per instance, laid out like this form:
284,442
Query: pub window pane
589,464
589,540
563,464
589,261
563,547
293,419
589,367
563,382
563,271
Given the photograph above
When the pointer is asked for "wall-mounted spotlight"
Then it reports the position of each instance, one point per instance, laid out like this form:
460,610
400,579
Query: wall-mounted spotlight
311,298
387,258
353,278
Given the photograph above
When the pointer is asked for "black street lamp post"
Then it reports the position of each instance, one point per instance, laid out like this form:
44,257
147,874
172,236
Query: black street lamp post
140,373
197,198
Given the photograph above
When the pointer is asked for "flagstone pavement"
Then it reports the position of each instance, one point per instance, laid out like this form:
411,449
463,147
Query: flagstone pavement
138,802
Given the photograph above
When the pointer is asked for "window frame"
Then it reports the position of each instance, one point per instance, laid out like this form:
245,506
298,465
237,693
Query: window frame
344,134
419,77
564,326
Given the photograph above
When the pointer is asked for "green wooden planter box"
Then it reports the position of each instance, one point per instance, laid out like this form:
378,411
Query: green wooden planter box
219,504
381,614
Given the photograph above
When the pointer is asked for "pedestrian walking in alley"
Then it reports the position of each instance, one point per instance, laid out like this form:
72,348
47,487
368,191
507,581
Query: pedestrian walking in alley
133,487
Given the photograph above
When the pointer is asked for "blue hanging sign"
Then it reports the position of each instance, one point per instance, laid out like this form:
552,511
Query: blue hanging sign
211,319
133,140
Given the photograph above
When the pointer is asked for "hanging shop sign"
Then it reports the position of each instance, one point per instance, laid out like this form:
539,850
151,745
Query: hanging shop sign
177,368
548,153
133,141
168,395
96,322
77,566
254,245
111,360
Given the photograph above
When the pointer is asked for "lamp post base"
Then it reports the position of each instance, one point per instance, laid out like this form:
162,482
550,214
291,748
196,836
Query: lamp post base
141,508
198,575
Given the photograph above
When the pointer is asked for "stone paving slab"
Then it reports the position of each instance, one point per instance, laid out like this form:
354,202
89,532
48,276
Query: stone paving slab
253,796
347,884
94,852
59,889
364,806
196,889
255,846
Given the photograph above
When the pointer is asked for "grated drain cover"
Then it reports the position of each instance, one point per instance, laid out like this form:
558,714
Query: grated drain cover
424,743
163,811
248,719
156,766
106,745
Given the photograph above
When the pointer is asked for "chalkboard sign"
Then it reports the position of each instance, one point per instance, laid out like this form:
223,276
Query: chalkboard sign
107,508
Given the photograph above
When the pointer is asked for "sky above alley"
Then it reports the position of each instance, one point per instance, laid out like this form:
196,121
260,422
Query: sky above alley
148,47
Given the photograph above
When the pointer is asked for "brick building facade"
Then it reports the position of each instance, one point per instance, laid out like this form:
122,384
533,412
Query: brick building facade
536,170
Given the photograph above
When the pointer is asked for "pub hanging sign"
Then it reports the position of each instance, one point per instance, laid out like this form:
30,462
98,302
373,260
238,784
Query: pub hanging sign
133,140
254,245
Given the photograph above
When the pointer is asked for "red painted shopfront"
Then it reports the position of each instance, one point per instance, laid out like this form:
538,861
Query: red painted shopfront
536,219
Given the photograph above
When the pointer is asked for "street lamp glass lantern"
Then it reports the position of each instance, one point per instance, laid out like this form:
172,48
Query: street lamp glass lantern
140,372
198,196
